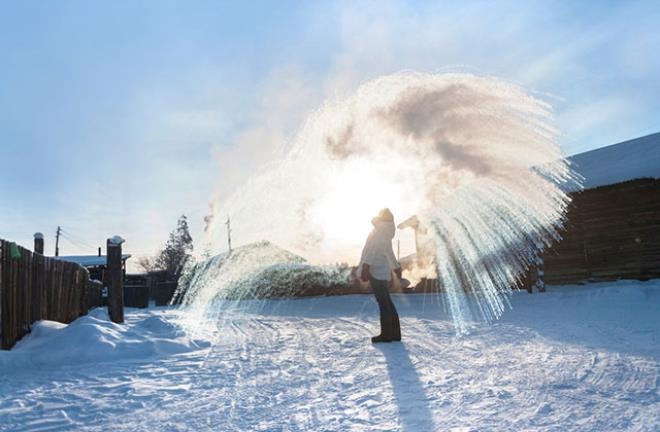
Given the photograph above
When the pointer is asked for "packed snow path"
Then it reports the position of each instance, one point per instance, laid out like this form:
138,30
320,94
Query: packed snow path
575,358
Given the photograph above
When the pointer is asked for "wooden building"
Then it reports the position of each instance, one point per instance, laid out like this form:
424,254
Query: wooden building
613,229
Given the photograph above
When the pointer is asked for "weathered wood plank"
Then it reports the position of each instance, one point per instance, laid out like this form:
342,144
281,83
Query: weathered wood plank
34,287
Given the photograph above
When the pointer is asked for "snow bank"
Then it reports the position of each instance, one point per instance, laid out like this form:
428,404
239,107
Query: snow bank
95,339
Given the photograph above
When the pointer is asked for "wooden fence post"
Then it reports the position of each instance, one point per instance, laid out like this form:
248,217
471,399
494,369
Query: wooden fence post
39,243
115,280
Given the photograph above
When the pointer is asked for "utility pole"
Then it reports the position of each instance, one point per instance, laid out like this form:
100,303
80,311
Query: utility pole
228,223
57,241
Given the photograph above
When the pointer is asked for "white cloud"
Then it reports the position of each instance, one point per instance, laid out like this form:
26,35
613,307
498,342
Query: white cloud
198,120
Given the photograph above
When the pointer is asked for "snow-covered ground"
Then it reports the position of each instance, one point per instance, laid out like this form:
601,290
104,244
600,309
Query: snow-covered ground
575,358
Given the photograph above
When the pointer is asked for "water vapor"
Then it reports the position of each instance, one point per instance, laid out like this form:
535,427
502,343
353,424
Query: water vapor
474,158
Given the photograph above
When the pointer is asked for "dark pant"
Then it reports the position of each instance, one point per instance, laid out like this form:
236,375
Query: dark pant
389,319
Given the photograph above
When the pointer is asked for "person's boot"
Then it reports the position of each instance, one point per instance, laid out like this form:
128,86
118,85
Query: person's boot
385,330
396,329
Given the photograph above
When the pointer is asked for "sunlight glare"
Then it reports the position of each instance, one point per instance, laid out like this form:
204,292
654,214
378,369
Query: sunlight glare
353,194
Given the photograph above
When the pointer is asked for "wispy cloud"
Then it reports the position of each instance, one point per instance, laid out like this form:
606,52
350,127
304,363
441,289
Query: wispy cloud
188,109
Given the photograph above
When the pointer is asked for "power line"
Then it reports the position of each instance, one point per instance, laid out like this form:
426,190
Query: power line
76,243
72,239
77,239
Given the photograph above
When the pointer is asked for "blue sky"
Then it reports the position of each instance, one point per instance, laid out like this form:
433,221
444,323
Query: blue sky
116,117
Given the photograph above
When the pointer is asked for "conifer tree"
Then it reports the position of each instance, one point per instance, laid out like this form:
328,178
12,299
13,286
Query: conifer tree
177,252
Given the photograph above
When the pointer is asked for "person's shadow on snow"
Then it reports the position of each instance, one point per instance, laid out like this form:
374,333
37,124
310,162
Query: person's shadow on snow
411,399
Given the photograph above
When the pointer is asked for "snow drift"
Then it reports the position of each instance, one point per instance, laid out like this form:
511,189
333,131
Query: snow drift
95,339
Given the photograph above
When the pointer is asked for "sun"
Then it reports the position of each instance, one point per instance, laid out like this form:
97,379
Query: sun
351,196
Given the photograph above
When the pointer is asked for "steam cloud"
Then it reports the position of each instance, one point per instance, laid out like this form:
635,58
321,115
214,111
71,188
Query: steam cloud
474,158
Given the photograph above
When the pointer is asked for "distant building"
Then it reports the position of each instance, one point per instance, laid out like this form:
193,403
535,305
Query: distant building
95,264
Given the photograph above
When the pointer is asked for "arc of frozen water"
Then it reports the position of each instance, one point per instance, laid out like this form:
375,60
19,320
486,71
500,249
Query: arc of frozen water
476,158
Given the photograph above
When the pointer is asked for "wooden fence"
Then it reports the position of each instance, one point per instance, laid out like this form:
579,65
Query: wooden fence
34,287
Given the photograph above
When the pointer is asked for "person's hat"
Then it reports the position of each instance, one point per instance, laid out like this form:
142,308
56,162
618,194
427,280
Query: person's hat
385,215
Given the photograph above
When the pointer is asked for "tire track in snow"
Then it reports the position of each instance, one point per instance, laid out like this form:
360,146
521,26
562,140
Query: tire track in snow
263,361
319,371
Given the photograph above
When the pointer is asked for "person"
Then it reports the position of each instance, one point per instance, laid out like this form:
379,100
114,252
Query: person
376,266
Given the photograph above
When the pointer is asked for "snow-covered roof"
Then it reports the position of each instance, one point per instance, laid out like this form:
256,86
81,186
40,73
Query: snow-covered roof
89,260
633,159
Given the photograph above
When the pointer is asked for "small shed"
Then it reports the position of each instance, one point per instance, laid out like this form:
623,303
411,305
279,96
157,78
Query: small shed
95,264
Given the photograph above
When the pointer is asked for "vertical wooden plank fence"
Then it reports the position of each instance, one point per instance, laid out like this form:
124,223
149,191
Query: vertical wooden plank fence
34,287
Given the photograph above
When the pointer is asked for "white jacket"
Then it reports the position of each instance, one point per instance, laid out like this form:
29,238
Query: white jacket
377,251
